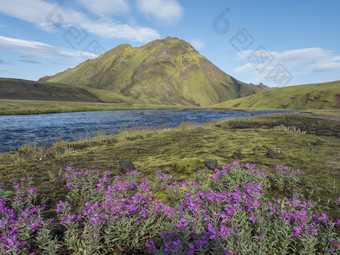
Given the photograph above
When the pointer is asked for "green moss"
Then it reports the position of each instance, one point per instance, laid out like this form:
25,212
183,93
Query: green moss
23,107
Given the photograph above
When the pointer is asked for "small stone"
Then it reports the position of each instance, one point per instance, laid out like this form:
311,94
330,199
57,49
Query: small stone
271,153
237,155
212,164
256,148
319,188
318,142
124,166
60,179
141,113
89,158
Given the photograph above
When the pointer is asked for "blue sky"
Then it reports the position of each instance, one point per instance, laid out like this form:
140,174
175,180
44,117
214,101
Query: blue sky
279,43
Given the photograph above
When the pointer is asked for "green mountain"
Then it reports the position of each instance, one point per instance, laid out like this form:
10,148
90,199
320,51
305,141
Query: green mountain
168,71
311,96
32,90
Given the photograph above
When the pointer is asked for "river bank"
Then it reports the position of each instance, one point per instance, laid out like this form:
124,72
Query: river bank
29,107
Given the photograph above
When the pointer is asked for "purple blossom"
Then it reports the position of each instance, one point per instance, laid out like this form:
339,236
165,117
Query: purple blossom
298,230
182,223
253,218
144,213
32,191
151,246
171,234
212,232
261,238
60,206
323,218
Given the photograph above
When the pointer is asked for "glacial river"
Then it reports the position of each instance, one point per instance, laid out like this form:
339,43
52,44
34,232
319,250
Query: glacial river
46,129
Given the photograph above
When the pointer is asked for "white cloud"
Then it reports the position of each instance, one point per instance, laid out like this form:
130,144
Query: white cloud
302,61
324,66
29,61
106,7
42,49
47,16
197,44
5,62
169,11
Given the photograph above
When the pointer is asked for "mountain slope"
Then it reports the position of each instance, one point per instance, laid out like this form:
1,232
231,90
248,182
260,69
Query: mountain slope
24,89
168,71
311,96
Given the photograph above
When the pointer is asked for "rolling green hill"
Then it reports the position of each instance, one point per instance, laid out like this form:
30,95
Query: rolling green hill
31,90
168,71
312,96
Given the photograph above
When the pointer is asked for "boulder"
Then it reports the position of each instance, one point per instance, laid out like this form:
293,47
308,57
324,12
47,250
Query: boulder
271,153
237,155
212,164
256,148
124,166
318,142
89,158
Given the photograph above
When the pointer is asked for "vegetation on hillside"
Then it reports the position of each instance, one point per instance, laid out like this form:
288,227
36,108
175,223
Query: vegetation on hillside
31,90
312,96
168,71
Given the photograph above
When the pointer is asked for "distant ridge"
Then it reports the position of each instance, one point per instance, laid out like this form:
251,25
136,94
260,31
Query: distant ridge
32,90
311,96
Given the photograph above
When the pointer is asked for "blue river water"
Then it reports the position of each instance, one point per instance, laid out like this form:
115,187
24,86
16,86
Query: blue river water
46,129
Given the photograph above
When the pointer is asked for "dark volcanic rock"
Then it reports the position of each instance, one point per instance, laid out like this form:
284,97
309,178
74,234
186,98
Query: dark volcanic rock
318,142
89,158
237,155
271,153
126,165
212,164
256,148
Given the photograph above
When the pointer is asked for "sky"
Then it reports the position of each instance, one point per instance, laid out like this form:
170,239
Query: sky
278,43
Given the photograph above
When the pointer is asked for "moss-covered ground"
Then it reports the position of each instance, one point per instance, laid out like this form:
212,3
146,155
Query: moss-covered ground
182,151
24,107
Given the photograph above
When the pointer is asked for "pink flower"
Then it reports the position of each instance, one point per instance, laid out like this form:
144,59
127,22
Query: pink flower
261,238
253,218
32,191
323,218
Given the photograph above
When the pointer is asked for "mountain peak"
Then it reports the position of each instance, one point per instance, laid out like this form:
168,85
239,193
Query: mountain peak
163,71
172,45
